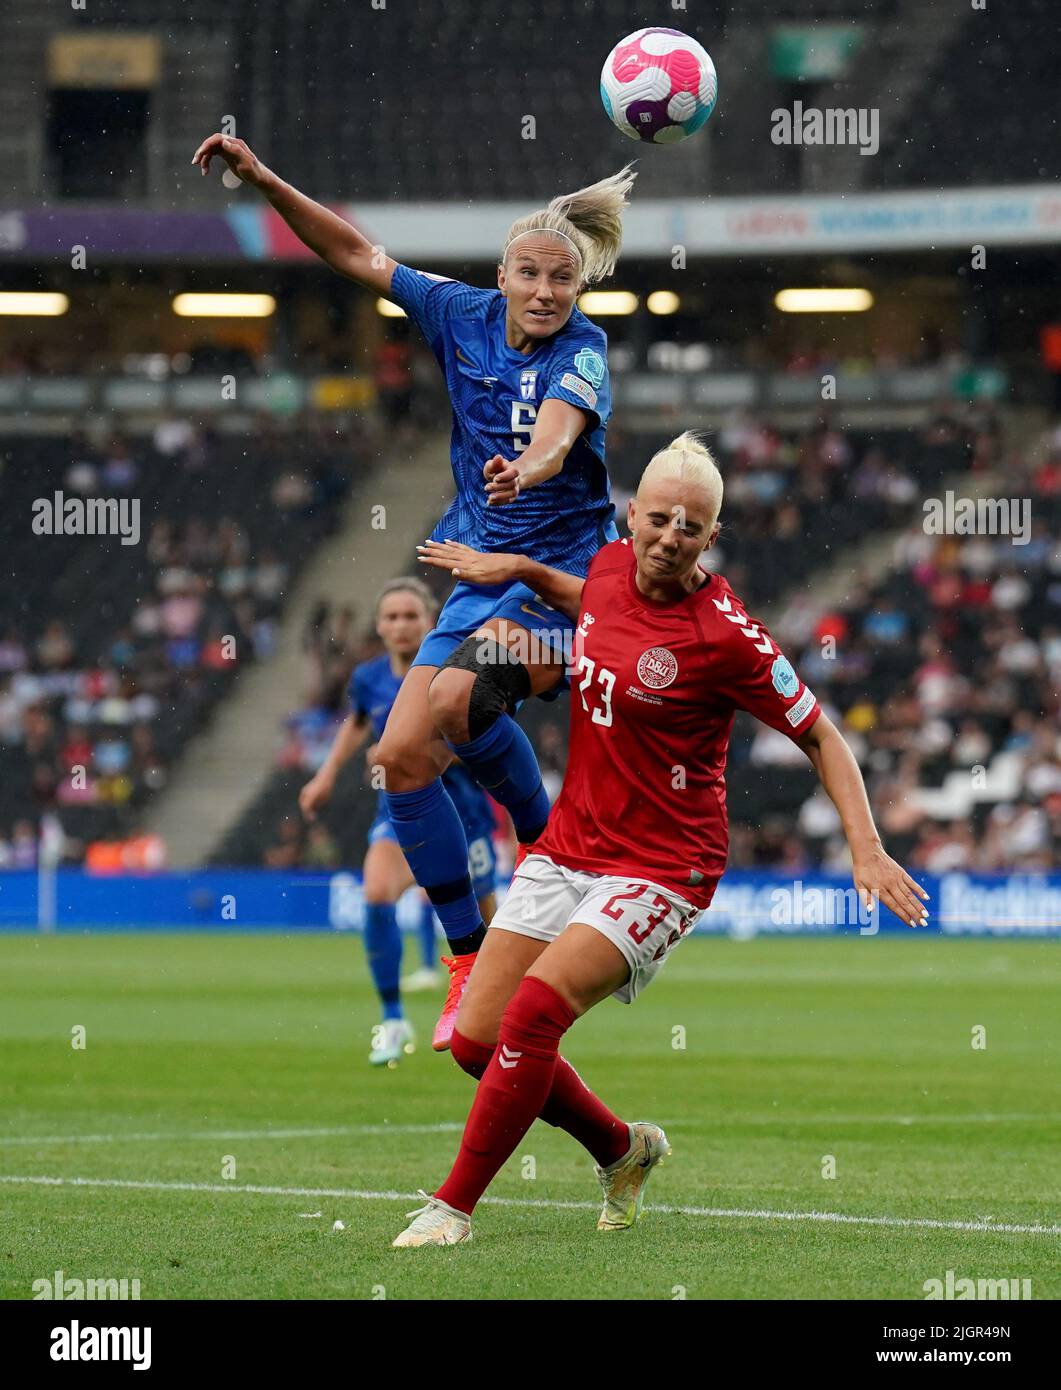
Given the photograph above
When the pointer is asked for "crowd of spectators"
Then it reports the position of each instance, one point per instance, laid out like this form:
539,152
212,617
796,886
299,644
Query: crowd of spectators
794,497
97,704
948,663
950,659
944,677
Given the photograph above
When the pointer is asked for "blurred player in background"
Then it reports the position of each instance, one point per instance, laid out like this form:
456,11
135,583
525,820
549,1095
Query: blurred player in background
528,382
405,610
637,840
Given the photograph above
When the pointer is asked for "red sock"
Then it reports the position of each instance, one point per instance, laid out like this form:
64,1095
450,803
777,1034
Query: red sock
471,1056
512,1091
570,1105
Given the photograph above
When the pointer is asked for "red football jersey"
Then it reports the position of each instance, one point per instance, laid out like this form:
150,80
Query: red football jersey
654,688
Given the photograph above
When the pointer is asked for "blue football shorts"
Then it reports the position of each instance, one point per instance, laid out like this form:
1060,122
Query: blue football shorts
471,605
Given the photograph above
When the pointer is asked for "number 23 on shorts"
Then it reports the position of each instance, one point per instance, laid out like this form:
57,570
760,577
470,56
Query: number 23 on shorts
640,932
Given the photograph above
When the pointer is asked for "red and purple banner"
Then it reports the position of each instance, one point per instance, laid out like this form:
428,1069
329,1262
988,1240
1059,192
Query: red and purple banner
136,234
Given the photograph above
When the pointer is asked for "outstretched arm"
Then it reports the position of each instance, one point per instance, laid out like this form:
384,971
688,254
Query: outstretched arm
875,873
559,590
317,792
339,245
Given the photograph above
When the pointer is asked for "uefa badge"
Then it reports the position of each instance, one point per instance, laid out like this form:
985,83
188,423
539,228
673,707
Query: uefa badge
784,678
657,668
591,365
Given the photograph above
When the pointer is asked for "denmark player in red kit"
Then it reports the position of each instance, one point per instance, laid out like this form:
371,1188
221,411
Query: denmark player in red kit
663,656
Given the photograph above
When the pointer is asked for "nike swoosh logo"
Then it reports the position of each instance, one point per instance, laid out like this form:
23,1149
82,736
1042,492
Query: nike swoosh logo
534,613
461,358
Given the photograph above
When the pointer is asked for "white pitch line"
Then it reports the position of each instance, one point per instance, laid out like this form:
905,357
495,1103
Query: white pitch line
1026,1117
339,1130
835,1217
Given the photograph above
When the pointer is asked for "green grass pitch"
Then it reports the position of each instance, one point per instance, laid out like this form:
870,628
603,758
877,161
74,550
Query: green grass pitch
213,1065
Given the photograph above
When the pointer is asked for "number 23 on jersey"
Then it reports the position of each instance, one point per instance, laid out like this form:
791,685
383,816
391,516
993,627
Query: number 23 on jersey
601,710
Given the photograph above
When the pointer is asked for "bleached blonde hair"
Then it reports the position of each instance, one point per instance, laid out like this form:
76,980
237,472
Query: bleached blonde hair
688,459
591,219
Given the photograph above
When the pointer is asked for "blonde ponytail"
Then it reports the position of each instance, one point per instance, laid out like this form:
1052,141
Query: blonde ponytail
590,218
688,459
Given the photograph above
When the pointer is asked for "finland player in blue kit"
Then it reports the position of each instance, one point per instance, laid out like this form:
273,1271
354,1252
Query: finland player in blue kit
527,375
404,612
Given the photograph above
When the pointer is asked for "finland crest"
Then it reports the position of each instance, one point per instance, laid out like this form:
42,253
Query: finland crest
528,385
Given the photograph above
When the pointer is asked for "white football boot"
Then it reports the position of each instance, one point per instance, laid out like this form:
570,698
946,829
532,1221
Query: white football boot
624,1181
391,1040
435,1224
421,980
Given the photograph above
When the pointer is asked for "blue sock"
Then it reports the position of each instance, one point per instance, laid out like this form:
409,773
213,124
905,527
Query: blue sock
432,838
383,946
427,937
502,760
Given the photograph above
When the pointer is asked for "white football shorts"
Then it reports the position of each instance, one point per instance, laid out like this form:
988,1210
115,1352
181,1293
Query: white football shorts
642,919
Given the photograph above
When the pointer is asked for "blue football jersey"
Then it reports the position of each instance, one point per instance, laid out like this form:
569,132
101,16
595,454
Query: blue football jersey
495,393
372,690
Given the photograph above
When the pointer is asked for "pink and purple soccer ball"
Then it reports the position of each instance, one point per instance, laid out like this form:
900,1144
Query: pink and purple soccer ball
658,85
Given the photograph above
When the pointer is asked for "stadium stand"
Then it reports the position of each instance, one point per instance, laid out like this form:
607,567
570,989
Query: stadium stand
794,496
810,496
967,104
945,677
111,656
304,87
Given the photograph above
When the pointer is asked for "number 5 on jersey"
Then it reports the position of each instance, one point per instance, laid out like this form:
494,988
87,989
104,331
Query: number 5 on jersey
523,418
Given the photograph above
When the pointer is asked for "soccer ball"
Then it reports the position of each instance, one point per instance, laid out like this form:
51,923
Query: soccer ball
658,85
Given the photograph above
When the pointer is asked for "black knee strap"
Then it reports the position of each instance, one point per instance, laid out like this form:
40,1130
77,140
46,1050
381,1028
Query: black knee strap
501,681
